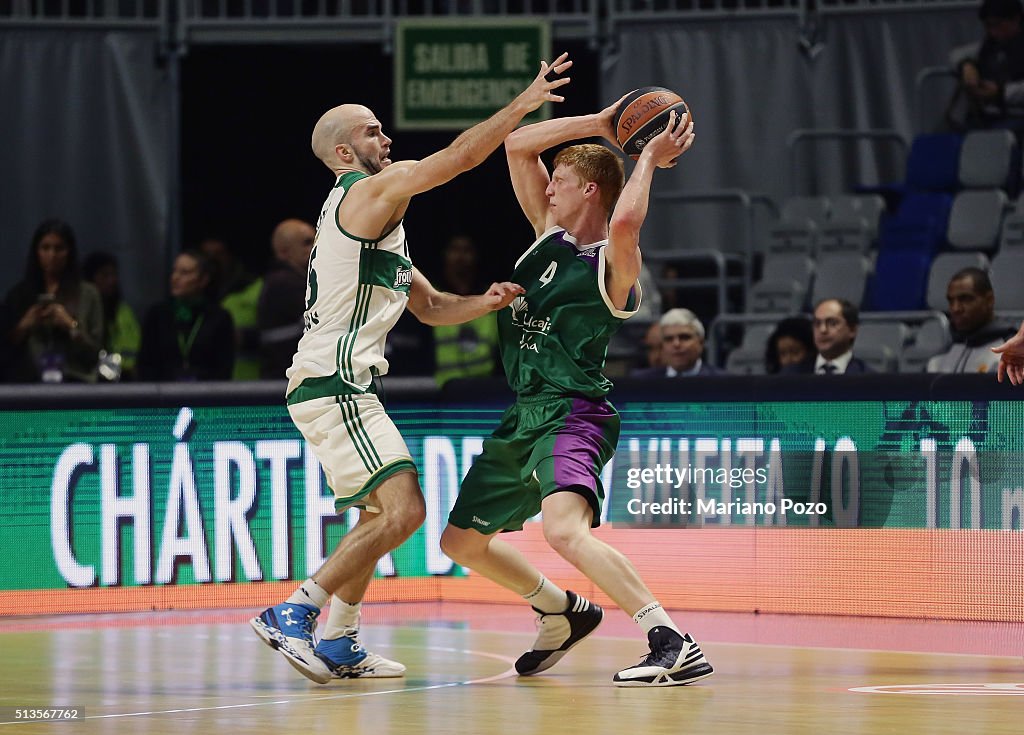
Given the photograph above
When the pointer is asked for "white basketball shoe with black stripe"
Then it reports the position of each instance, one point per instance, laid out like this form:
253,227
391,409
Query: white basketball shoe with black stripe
558,633
674,660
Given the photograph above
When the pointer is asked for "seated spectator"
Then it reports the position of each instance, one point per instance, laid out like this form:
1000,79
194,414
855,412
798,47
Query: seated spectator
992,79
283,297
467,350
189,336
682,347
790,347
239,293
121,331
835,330
652,351
972,321
55,320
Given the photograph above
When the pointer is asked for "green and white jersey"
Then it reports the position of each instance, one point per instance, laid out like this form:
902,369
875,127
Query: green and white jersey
554,338
355,293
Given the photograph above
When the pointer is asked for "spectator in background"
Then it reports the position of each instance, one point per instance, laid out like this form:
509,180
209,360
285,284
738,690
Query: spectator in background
652,351
283,297
239,293
972,320
790,347
1011,358
992,79
121,331
55,319
835,330
682,347
227,273
465,350
188,336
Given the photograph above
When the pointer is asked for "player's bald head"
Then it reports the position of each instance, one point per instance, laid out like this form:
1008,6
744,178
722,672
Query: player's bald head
335,128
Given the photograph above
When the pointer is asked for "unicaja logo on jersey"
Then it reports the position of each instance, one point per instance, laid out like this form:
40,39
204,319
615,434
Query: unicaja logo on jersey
521,318
403,277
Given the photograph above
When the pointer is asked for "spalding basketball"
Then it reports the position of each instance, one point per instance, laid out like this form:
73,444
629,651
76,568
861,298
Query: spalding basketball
643,114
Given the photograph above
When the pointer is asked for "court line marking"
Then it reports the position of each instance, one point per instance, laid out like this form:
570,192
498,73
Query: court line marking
978,689
311,697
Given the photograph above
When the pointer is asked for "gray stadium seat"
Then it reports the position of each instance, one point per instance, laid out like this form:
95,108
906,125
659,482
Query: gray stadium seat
930,339
745,361
748,357
1012,235
851,235
985,158
869,207
784,283
816,209
881,344
793,237
976,219
880,358
840,276
1008,280
943,268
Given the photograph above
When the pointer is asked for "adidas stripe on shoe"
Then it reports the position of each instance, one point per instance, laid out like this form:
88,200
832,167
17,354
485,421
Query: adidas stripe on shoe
558,632
673,660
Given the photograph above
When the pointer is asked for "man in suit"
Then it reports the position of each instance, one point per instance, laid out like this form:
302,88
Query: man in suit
835,329
682,347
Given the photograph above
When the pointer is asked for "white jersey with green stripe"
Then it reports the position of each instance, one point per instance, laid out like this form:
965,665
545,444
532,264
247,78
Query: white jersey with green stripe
355,292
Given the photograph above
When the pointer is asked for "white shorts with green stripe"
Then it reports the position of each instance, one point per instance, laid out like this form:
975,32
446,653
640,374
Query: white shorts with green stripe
357,444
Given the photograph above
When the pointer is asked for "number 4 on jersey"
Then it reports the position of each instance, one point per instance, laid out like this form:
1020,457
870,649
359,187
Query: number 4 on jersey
548,274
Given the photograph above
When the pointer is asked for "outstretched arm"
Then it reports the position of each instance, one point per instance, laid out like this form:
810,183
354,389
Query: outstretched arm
1011,358
623,251
530,176
402,180
434,308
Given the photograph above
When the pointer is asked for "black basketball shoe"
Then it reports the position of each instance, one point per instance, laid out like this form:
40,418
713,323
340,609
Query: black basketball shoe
674,659
558,633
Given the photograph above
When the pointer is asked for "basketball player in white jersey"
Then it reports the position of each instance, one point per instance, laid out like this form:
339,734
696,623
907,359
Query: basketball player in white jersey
361,279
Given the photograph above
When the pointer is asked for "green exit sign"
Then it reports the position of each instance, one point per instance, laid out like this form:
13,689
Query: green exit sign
452,74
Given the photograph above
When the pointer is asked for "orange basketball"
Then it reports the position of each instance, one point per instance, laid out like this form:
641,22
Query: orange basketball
643,114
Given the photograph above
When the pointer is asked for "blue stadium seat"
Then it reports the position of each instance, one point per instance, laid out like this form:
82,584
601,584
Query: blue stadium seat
900,280
933,163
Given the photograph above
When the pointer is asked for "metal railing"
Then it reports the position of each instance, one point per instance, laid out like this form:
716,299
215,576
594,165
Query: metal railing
746,200
803,135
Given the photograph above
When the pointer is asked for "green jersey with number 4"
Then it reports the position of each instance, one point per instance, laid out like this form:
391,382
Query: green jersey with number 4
554,338
356,291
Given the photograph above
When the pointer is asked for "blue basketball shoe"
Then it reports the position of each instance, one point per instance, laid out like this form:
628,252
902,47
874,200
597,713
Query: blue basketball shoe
346,658
289,628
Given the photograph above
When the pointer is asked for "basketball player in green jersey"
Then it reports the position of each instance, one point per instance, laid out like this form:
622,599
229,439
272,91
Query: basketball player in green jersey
580,277
360,280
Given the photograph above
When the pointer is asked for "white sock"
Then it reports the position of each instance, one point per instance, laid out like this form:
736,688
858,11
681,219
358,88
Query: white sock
342,618
653,615
547,597
309,594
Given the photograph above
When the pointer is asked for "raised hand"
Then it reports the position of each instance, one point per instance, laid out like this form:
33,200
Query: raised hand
1011,358
607,118
541,89
664,150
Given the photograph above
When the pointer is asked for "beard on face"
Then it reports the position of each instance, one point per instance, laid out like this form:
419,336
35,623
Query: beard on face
371,165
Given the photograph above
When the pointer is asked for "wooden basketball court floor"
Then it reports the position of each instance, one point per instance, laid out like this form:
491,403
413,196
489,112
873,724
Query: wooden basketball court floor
206,672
